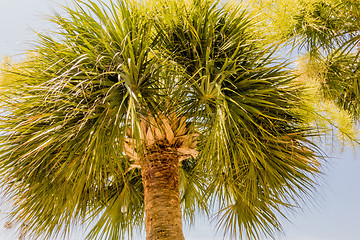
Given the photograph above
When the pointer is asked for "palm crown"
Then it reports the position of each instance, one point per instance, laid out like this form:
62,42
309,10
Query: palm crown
125,89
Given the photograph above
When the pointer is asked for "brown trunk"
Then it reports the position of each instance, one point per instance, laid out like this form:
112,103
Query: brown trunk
160,175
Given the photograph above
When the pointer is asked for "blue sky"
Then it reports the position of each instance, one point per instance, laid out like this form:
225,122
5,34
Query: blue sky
334,216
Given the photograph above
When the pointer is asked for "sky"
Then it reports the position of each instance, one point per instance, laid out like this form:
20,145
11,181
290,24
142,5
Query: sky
334,216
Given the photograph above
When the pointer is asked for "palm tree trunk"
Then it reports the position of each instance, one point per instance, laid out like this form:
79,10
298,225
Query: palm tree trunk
160,176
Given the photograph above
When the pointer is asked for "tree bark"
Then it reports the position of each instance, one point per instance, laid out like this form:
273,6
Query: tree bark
160,176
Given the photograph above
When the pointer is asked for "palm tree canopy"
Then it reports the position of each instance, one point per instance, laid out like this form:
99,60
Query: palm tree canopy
116,80
326,33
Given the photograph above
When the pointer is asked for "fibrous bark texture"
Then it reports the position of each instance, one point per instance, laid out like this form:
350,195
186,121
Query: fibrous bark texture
160,175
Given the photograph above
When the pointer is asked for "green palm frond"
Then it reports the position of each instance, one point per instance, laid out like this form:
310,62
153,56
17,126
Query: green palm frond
75,97
319,24
342,81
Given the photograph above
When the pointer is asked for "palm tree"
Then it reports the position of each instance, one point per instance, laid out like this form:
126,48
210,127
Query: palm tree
330,31
155,108
326,34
